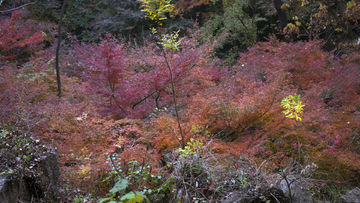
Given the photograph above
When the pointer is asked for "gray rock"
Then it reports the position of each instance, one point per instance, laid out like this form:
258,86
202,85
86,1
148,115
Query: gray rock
238,197
352,197
298,191
51,170
15,187
262,194
11,189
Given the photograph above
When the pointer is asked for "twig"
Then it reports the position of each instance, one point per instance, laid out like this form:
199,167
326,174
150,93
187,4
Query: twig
242,22
16,7
175,136
274,197
141,100
289,188
258,168
117,104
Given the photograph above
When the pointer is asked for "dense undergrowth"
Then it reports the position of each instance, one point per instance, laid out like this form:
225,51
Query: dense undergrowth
116,128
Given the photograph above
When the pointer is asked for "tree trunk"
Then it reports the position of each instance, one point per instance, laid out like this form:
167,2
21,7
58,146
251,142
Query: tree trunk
281,13
58,50
282,17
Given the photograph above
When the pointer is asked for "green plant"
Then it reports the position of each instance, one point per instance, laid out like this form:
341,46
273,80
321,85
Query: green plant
131,197
196,129
81,199
4,133
135,182
243,179
192,147
198,200
78,199
333,192
21,147
235,29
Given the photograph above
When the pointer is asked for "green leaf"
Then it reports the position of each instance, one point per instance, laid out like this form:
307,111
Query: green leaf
133,197
120,185
128,196
136,199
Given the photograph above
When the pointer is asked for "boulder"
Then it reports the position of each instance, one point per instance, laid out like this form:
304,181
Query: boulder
11,189
43,183
351,197
51,174
262,194
237,197
299,193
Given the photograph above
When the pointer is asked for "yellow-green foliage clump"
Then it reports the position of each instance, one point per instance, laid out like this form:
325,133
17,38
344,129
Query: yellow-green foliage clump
192,147
156,9
293,107
171,41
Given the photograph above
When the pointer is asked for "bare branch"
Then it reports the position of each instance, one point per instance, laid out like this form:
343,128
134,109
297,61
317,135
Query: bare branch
17,7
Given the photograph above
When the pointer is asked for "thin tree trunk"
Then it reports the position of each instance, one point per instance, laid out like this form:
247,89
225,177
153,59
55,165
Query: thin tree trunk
174,99
58,50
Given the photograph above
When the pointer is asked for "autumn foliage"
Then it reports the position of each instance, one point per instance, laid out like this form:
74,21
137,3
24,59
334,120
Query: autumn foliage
20,37
117,98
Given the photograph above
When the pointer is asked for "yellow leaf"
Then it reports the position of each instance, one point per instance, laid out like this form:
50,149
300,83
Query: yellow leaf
285,6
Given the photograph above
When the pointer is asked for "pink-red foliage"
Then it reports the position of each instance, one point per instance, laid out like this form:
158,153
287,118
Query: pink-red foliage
329,90
19,36
132,83
245,106
239,105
